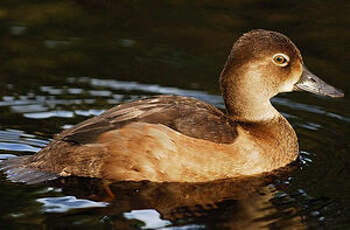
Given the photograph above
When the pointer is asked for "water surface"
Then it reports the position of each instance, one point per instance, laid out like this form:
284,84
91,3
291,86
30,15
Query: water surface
65,61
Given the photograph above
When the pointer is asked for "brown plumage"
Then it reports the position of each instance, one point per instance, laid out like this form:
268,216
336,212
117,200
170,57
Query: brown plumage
186,115
174,138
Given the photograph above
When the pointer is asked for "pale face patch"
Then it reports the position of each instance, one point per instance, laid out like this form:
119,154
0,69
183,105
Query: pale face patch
287,86
294,76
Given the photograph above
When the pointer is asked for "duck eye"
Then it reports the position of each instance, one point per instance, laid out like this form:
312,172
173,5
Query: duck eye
280,59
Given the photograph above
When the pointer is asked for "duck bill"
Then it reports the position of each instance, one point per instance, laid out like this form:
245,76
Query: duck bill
313,84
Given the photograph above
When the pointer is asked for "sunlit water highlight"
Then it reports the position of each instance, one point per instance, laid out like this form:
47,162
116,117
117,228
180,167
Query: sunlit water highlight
47,107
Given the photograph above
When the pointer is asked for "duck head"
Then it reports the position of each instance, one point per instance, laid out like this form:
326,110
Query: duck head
262,64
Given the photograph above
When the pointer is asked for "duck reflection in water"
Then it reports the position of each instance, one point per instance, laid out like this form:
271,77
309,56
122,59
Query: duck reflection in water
240,203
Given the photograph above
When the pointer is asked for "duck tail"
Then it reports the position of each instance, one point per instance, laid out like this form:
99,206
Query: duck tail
16,170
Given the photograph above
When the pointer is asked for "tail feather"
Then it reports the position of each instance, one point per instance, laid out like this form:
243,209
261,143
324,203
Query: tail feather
17,171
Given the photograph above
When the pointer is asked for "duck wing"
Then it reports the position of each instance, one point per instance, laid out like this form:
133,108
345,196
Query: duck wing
186,115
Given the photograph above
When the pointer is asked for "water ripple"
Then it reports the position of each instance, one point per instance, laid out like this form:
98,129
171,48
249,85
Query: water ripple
17,140
150,217
18,147
309,108
37,107
60,113
67,203
150,88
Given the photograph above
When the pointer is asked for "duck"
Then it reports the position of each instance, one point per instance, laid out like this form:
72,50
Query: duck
171,138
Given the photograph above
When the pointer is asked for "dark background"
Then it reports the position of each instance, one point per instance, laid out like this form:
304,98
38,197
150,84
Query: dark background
64,61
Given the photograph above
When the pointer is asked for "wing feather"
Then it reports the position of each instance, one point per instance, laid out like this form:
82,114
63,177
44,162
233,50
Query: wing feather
186,115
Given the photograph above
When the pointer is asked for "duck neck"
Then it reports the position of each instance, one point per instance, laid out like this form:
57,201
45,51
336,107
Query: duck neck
246,110
246,98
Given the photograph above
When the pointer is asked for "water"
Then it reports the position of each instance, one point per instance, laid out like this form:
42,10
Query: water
65,61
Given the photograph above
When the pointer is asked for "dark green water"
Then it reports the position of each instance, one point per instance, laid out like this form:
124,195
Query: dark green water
64,61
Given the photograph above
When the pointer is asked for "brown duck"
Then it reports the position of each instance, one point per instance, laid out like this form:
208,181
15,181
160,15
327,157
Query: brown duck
174,138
